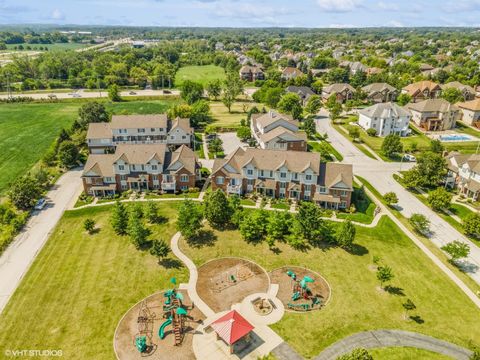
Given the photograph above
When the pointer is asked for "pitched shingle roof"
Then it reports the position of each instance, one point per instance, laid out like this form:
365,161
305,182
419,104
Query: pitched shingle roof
140,153
421,86
432,105
384,110
271,117
473,105
378,87
138,121
101,165
99,131
338,88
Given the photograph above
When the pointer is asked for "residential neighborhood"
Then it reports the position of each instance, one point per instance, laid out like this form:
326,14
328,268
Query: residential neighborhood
240,180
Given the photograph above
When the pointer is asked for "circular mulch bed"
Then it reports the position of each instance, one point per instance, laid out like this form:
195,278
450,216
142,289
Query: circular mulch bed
128,328
319,287
227,281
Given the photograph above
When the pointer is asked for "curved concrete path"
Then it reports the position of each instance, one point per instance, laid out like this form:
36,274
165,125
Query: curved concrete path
393,338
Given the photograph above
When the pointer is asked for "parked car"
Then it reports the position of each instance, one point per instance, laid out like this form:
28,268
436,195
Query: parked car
167,92
40,204
408,157
76,95
132,93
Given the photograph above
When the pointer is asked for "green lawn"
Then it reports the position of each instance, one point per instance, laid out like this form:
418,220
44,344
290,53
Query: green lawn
27,130
315,146
356,303
81,285
50,47
364,208
230,120
202,74
404,353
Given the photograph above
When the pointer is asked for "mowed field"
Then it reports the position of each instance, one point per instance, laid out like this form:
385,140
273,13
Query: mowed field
50,47
81,285
202,74
357,303
27,130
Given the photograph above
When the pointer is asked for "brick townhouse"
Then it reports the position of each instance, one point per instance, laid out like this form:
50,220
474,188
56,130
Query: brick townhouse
284,174
141,167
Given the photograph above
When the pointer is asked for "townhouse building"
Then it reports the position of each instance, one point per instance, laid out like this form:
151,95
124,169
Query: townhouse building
464,174
138,129
470,112
285,174
277,131
467,91
385,118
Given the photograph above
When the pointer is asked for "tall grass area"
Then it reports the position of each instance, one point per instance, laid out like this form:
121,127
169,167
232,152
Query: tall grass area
356,303
81,285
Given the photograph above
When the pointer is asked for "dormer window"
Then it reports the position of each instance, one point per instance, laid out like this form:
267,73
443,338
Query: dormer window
283,175
249,172
154,167
308,177
121,167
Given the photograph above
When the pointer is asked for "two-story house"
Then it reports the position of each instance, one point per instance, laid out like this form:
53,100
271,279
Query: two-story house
385,118
291,73
467,91
277,131
464,173
380,92
304,92
138,129
284,174
470,112
422,90
342,91
434,114
251,73
141,167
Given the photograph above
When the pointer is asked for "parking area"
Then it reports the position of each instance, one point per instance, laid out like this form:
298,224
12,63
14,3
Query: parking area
230,142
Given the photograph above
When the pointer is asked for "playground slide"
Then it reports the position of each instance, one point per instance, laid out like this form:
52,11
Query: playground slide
161,331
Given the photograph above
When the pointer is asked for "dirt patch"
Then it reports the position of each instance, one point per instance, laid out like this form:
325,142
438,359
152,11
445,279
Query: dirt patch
319,288
128,328
224,282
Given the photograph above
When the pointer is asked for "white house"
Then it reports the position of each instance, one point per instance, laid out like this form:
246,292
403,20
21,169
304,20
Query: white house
385,118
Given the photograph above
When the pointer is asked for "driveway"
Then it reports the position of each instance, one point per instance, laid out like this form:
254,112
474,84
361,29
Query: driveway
231,142
380,175
16,260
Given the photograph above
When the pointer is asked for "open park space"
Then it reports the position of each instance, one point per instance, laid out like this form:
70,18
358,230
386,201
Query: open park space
199,73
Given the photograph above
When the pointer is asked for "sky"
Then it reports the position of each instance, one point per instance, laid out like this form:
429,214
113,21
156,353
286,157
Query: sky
244,13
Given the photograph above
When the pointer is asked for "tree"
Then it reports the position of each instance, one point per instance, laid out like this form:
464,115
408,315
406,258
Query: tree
217,209
354,131
92,112
452,95
89,225
408,306
314,103
244,133
139,76
253,226
457,250
312,226
439,199
384,274
431,168
392,145
420,223
390,198
309,127
403,99
357,354
290,104
215,146
183,111
200,113
436,146
24,192
151,212
137,231
114,93
335,111
68,154
191,91
471,224
160,249
189,221
119,218
345,234
232,87
272,96
278,226
214,88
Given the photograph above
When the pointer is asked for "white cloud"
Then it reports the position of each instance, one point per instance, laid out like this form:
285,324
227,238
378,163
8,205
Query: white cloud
57,15
395,23
339,5
341,26
388,6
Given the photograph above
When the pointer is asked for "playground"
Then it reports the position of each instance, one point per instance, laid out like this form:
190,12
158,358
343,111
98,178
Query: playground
300,289
227,281
144,324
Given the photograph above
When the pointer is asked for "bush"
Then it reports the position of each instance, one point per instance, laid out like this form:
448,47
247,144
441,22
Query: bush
372,132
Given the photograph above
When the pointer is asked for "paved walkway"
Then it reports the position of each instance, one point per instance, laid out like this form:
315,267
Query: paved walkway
17,258
392,338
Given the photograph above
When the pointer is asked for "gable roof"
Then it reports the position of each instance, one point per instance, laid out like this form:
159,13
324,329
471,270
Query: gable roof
303,91
280,132
100,130
432,105
338,88
378,87
138,121
289,70
182,123
100,164
458,85
384,110
272,117
140,153
186,156
421,86
473,105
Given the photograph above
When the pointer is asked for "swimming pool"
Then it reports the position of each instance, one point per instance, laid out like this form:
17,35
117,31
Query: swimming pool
456,137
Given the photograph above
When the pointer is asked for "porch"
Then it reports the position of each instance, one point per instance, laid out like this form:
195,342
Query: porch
432,124
265,187
327,201
169,183
138,183
104,190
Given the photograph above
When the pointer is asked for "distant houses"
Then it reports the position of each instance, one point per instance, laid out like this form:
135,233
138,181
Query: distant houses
291,73
251,73
304,92
380,92
342,91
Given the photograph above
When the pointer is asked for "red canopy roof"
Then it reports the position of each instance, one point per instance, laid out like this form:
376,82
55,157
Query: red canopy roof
232,327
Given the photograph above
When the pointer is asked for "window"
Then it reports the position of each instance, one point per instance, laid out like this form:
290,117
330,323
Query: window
143,167
271,173
262,173
219,180
343,205
308,177
249,172
155,177
306,197
123,177
141,130
172,137
283,175
133,167
184,187
322,189
124,187
154,167
343,193
183,137
121,167
88,180
308,187
152,130
295,176
184,178
161,129
250,182
283,185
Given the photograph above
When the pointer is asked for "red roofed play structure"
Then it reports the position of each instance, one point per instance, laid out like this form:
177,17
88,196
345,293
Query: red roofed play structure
231,327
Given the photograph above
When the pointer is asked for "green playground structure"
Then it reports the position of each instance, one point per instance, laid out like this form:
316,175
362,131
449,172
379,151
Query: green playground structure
296,295
301,290
161,331
141,343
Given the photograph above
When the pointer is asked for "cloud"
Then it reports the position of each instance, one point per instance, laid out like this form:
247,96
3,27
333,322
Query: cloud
339,6
462,6
57,15
341,26
388,6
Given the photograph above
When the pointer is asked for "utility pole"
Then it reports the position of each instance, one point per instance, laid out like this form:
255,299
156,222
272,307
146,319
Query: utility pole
9,91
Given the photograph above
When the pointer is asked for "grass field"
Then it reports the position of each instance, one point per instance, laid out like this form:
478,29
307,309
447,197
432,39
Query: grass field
27,130
356,303
404,353
222,118
80,286
202,74
50,47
